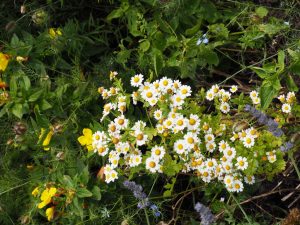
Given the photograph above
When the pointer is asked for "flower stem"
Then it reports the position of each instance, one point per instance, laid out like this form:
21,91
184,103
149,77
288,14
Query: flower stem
294,163
147,217
241,208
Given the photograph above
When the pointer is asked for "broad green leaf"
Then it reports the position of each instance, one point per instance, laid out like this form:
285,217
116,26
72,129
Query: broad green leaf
44,105
17,110
96,193
83,193
267,93
292,86
35,96
260,72
27,83
144,45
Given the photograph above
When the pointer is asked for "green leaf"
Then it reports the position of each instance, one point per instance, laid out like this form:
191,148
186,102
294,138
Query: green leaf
267,93
260,72
261,12
157,59
27,83
35,96
281,56
83,193
17,110
292,86
96,193
45,105
144,45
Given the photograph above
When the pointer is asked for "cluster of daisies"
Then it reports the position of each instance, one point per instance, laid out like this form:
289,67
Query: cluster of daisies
196,145
287,101
224,96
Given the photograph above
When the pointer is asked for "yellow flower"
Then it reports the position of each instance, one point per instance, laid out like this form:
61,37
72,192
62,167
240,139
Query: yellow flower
4,58
54,32
50,213
35,192
47,139
86,138
46,196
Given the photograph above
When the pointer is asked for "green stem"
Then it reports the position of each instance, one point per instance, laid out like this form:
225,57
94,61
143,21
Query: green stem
147,217
241,208
291,157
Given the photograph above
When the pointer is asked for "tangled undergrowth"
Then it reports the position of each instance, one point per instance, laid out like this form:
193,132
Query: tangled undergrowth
200,123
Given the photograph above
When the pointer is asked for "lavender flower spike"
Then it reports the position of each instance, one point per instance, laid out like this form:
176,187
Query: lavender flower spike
138,193
205,213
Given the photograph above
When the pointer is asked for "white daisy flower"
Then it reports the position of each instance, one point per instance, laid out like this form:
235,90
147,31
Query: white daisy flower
227,167
194,122
121,122
224,107
249,179
158,152
176,85
141,138
286,108
180,123
210,95
165,84
211,164
159,128
157,114
248,141
180,147
191,139
215,89
185,91
135,160
177,100
223,145
210,146
152,164
209,138
169,123
137,80
241,163
102,150
238,186
256,101
228,180
291,97
233,88
225,97
253,94
229,153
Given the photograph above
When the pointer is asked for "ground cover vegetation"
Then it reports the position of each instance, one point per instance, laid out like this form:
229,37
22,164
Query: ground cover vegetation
149,112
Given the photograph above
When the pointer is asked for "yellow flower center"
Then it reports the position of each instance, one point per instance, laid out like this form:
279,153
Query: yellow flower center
180,146
149,94
192,121
165,82
140,137
229,152
157,152
152,164
184,91
179,122
136,79
210,164
190,140
121,122
241,163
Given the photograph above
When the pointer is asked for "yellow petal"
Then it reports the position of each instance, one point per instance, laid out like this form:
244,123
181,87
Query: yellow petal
35,192
52,33
82,140
50,213
52,191
3,61
41,205
47,140
87,132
